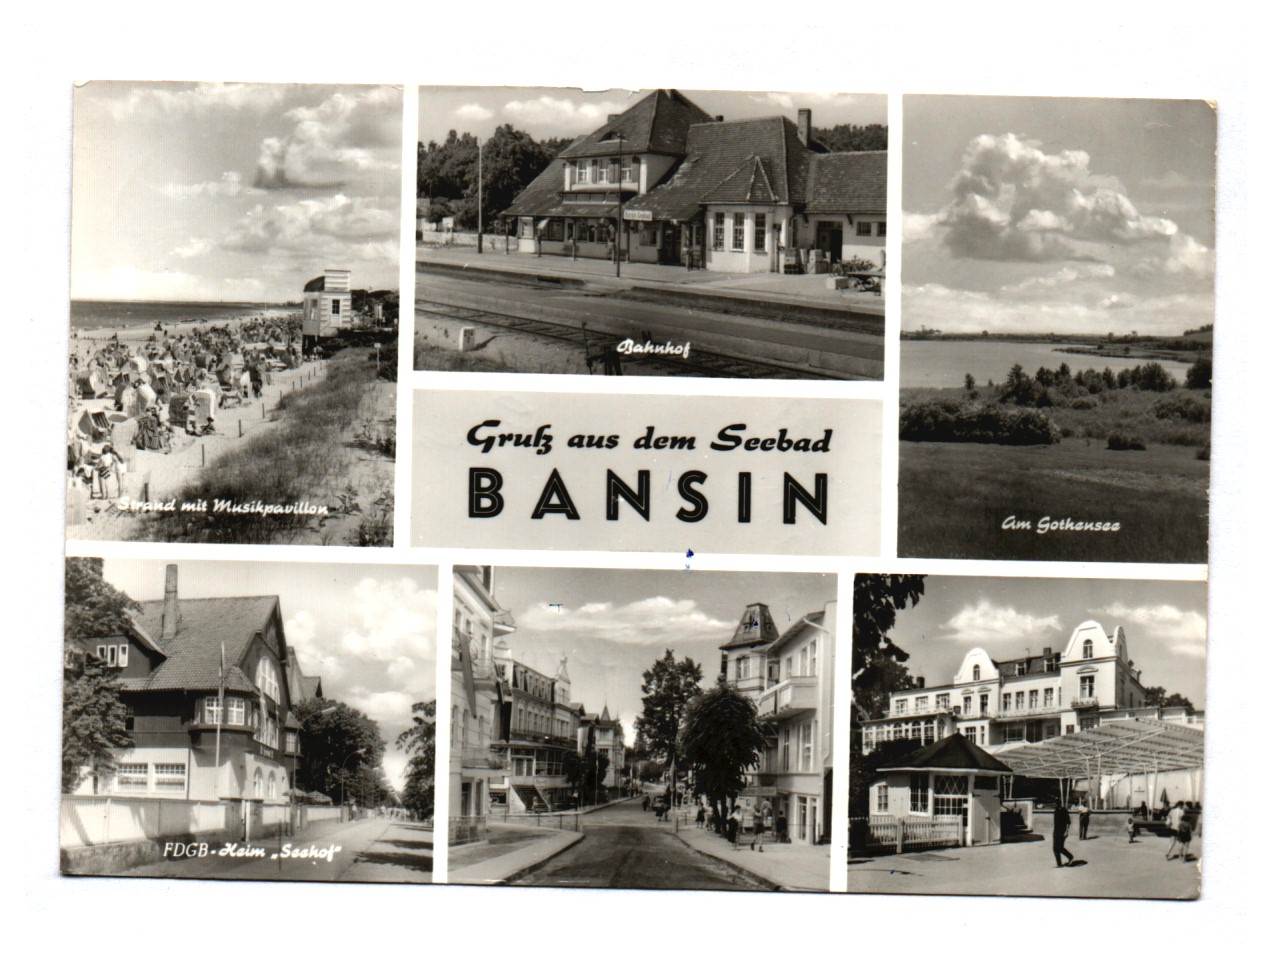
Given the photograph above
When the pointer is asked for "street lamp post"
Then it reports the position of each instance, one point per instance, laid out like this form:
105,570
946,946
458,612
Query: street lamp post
479,194
618,237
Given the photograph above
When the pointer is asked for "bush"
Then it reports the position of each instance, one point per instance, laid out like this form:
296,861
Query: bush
1202,454
989,424
1184,408
1084,403
1125,442
1200,375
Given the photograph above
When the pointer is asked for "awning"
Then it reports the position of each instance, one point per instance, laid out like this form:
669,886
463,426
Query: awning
1117,747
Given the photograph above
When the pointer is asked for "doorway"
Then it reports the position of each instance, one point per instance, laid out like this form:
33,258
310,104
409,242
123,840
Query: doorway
829,238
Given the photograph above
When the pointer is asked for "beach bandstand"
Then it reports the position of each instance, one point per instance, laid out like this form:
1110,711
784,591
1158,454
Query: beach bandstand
328,306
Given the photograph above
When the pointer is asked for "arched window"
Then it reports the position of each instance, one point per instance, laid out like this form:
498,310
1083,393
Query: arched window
1087,650
257,782
975,672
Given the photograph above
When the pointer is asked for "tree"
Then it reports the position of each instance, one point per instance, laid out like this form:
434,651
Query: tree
419,741
94,718
669,686
877,662
853,137
1156,697
722,741
335,747
1200,375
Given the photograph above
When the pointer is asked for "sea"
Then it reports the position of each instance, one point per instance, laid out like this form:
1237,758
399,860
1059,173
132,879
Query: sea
91,314
945,363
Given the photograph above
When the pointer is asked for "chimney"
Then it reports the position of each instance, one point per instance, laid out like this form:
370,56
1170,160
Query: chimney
171,611
805,125
921,681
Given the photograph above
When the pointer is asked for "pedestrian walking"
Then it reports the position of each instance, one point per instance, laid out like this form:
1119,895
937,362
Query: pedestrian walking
734,825
1083,817
782,827
1131,828
701,816
1175,821
760,826
644,805
1059,833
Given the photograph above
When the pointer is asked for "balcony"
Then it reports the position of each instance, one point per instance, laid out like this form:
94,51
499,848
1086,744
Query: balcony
475,757
1085,703
1049,710
789,698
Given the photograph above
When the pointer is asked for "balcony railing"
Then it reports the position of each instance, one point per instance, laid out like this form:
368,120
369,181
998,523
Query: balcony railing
1046,710
790,697
477,757
1085,702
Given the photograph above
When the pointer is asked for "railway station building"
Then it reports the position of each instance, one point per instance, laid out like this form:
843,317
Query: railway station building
664,182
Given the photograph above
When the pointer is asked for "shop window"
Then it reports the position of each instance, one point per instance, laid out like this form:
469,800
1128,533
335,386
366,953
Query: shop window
739,232
717,232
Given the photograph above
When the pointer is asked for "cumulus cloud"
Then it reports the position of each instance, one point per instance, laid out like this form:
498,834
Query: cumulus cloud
1013,201
166,100
1185,257
561,113
333,142
229,185
473,112
197,246
298,226
1184,631
985,623
1063,277
656,621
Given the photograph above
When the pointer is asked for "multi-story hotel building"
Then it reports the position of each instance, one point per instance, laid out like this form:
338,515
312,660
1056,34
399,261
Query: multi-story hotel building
540,728
790,678
188,666
753,195
997,703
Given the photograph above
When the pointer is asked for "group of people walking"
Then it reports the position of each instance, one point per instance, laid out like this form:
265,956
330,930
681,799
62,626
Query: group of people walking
1179,822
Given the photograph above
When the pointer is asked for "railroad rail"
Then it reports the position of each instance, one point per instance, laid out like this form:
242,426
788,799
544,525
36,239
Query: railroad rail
703,362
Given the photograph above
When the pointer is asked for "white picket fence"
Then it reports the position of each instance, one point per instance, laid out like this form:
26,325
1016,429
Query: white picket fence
106,820
904,834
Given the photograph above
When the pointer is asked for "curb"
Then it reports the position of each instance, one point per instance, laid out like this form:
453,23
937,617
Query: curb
740,869
536,865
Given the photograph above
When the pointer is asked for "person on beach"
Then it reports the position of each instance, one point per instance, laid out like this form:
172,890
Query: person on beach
1059,834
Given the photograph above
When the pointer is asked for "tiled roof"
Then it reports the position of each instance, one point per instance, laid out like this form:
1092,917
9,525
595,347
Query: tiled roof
540,195
194,653
724,152
658,122
954,752
812,618
749,183
848,181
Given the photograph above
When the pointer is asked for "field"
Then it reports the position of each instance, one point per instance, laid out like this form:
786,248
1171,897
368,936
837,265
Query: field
954,499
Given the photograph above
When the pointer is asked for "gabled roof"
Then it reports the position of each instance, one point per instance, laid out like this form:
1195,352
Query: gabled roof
194,653
750,183
848,181
311,687
721,152
954,752
658,123
812,618
540,195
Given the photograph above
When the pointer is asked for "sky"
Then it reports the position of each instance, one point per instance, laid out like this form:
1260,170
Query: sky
369,631
612,625
1058,215
238,192
570,112
1165,624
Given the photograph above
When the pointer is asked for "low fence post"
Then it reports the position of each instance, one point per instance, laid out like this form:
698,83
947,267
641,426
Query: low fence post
900,836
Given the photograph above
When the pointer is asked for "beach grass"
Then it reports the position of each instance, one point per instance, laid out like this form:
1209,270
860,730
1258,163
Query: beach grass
299,459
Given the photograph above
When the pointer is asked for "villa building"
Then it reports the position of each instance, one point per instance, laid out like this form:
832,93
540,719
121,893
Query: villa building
188,666
997,704
605,734
665,182
790,678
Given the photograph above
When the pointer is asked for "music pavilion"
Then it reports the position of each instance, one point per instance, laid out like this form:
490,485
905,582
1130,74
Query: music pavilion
689,189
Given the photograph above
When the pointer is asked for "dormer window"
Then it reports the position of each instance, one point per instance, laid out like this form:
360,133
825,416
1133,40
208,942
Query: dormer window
1021,669
975,673
1087,650
114,655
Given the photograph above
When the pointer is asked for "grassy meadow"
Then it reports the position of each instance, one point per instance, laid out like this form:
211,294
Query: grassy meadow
1118,454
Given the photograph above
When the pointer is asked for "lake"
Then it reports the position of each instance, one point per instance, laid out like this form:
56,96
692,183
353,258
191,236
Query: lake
945,363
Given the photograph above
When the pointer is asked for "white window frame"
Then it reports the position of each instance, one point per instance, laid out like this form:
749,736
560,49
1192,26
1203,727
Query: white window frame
739,225
717,233
761,232
235,711
919,794
134,770
880,798
169,777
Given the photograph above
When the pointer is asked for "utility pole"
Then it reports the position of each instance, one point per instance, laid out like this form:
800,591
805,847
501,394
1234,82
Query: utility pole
480,226
618,237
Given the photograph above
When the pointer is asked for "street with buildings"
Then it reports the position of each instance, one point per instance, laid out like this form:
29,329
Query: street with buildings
542,791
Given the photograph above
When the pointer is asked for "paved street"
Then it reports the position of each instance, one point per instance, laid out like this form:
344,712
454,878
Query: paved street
375,849
625,847
845,351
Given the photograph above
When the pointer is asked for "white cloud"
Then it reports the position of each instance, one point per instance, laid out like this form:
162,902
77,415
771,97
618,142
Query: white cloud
167,100
1013,201
1063,277
350,134
229,185
1185,257
561,113
657,621
1184,631
985,623
297,226
197,246
473,112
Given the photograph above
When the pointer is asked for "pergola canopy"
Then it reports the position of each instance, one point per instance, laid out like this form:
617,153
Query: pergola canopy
1118,747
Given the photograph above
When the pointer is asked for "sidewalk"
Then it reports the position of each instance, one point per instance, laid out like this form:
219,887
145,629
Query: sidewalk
807,290
789,867
539,848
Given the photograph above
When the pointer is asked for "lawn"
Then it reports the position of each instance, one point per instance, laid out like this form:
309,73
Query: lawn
954,498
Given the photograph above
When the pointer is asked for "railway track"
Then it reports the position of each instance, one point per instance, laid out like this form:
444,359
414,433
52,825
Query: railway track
703,363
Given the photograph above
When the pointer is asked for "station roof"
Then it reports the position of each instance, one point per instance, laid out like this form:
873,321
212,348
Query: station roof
1124,746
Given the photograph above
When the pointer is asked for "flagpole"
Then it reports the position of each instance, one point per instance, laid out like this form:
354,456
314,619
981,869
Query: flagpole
220,716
